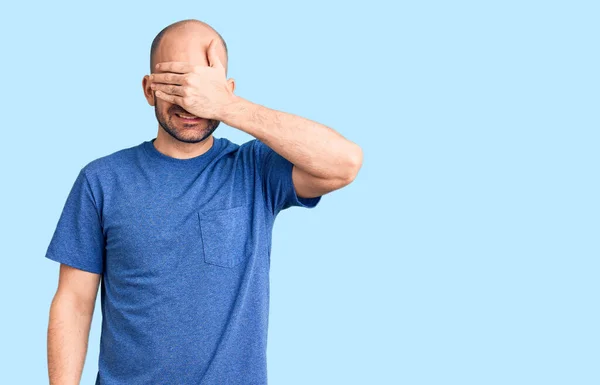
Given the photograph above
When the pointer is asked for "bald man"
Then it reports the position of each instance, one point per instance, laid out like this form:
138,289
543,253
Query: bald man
178,228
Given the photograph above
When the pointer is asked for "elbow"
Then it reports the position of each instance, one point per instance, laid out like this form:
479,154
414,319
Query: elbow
354,164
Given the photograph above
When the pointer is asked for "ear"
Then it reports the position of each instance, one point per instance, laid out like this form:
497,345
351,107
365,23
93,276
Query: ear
231,84
148,91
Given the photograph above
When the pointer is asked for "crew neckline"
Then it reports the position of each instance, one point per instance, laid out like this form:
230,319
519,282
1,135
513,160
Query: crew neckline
190,162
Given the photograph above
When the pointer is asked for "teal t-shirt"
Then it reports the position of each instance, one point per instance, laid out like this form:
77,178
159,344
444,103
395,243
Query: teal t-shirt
183,247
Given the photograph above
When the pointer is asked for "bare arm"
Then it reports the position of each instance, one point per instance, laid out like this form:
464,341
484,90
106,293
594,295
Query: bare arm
323,159
69,324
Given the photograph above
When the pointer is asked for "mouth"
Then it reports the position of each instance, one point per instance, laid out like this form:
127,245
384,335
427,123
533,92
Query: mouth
189,118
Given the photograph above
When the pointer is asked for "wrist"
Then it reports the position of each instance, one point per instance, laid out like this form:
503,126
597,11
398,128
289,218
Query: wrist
232,109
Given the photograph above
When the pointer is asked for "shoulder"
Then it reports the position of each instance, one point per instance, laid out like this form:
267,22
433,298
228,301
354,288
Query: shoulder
255,149
98,167
246,151
226,146
252,154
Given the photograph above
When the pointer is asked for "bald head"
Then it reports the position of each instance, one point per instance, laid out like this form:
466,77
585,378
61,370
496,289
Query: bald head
185,40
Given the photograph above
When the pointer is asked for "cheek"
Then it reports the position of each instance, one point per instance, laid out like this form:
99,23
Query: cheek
163,106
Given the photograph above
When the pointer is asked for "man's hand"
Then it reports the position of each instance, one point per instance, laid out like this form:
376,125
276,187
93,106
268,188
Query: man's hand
200,90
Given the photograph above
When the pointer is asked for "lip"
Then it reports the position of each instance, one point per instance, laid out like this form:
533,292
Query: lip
195,120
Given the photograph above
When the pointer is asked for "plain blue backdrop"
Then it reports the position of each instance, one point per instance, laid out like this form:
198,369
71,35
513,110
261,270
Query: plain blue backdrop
466,251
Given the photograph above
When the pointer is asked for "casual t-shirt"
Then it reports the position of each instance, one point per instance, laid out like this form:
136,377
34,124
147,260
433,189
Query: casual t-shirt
184,248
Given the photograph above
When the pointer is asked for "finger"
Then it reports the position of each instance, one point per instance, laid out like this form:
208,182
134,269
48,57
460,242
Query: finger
167,78
170,98
175,66
168,89
212,56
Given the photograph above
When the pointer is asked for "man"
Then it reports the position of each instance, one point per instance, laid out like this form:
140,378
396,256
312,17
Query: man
179,228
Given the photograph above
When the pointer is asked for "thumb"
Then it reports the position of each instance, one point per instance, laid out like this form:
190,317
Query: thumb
213,57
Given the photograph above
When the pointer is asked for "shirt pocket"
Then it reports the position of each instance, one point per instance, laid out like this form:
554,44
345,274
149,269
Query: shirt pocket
225,235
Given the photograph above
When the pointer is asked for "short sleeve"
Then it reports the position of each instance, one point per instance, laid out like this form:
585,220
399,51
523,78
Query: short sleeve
78,240
276,176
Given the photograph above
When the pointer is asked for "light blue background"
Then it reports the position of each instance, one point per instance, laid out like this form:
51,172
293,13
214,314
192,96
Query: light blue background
466,251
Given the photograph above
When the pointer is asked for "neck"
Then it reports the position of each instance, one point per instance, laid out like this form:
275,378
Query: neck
174,148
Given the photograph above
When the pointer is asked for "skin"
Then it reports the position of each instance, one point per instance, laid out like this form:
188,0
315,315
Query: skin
192,77
69,324
177,138
191,74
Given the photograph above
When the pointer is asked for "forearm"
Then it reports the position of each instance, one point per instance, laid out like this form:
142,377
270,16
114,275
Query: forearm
68,333
311,146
